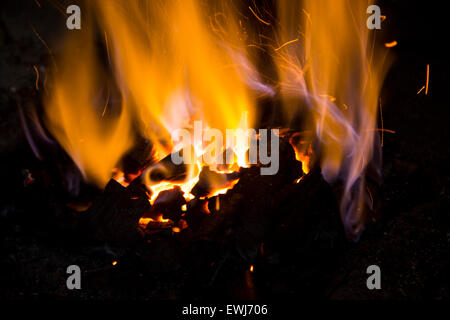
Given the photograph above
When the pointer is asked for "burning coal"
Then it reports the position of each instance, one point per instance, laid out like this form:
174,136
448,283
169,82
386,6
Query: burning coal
167,65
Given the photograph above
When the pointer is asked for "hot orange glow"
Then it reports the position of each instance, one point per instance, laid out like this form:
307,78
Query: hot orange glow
114,263
391,44
421,89
170,64
251,268
143,222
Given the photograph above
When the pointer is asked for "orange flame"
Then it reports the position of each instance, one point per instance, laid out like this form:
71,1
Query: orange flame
169,63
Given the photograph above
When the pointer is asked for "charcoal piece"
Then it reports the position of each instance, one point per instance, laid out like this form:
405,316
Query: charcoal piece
248,211
197,210
114,216
159,227
210,180
311,221
169,203
137,189
138,158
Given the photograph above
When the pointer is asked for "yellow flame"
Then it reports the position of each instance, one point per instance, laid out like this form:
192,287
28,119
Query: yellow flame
74,116
168,63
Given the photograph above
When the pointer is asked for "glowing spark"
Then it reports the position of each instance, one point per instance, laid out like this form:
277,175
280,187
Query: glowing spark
251,268
383,130
46,46
286,43
37,77
421,89
217,204
254,13
107,47
428,78
114,263
106,104
391,44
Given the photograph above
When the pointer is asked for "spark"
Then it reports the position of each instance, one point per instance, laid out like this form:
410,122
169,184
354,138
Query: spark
391,44
428,78
107,47
106,104
251,268
45,44
383,130
114,263
254,13
37,76
421,89
286,43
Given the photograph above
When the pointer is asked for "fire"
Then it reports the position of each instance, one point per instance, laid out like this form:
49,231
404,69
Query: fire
73,112
168,64
144,221
336,58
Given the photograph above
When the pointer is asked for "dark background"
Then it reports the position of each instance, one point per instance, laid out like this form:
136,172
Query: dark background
410,243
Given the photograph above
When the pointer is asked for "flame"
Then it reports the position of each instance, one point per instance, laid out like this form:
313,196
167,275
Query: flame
335,58
174,66
168,63
73,111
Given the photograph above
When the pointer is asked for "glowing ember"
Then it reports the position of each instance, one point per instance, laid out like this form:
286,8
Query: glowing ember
143,222
391,44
